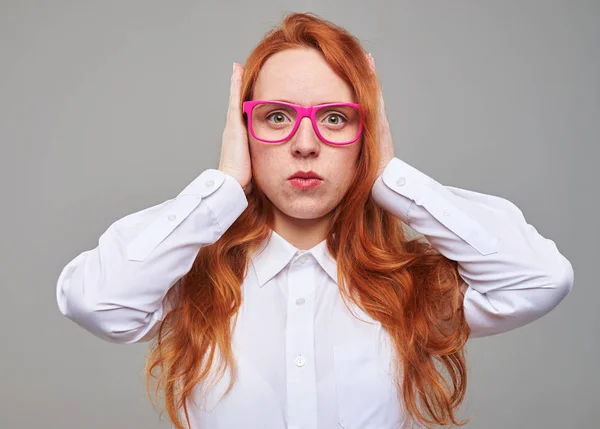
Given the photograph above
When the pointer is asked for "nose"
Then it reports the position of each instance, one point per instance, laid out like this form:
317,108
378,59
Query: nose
305,138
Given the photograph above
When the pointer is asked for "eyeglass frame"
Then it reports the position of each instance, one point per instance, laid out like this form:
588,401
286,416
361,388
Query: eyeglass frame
301,113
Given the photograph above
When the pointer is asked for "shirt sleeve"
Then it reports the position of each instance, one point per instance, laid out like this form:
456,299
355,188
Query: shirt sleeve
117,290
513,274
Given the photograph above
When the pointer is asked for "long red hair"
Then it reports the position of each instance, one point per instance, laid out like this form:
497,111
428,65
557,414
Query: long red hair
406,284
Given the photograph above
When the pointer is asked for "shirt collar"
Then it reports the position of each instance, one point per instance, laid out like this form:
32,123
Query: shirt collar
275,253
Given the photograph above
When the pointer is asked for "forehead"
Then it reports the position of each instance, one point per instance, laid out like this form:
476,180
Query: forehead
301,76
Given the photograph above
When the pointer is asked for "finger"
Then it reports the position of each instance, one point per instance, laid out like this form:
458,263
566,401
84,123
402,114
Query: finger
236,90
372,65
381,101
233,92
371,61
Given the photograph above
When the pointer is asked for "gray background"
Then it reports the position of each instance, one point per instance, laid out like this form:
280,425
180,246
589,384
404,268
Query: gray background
109,107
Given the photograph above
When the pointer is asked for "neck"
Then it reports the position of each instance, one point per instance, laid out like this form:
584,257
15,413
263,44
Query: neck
303,234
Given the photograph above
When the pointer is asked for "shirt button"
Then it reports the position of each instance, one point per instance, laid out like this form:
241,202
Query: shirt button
300,361
446,212
171,217
401,181
300,301
303,259
209,183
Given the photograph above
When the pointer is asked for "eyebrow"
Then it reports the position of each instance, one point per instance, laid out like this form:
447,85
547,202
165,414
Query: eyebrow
325,102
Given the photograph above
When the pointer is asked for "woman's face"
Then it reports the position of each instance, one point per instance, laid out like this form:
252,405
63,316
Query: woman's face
301,76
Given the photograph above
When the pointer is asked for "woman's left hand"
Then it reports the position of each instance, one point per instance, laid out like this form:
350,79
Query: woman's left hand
384,134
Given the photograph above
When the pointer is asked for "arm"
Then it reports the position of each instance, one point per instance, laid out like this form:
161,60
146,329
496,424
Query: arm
513,274
117,290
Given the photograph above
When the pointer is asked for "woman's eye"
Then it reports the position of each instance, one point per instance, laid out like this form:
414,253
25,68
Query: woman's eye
336,119
278,117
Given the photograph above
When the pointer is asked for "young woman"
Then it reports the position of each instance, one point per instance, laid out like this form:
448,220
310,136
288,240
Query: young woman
280,290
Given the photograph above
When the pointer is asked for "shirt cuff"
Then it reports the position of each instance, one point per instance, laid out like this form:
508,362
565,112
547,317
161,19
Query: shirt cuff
399,188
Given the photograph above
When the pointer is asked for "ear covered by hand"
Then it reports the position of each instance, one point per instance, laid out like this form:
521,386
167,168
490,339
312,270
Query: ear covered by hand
386,144
235,151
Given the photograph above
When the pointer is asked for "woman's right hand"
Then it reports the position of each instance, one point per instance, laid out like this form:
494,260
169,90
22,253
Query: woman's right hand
235,153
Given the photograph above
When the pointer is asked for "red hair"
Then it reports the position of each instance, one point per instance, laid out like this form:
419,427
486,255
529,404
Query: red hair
406,284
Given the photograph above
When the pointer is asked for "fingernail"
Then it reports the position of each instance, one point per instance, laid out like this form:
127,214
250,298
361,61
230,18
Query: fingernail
233,69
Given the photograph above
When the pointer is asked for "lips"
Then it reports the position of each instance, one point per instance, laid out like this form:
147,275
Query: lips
300,183
305,175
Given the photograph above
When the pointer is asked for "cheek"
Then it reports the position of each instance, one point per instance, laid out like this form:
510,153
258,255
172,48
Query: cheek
267,167
347,165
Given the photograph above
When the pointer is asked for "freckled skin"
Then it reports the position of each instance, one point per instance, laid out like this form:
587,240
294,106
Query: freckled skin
303,77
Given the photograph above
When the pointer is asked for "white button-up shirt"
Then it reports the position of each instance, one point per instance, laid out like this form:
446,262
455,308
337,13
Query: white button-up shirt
304,360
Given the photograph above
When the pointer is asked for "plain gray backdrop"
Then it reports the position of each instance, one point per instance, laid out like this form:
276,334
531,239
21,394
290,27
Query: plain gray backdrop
109,107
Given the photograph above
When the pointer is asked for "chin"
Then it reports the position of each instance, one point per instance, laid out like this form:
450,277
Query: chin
308,210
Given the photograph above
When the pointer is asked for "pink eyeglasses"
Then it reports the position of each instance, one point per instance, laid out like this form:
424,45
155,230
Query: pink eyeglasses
275,121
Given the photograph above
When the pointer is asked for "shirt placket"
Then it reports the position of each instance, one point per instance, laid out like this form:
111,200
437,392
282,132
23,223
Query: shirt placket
300,353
